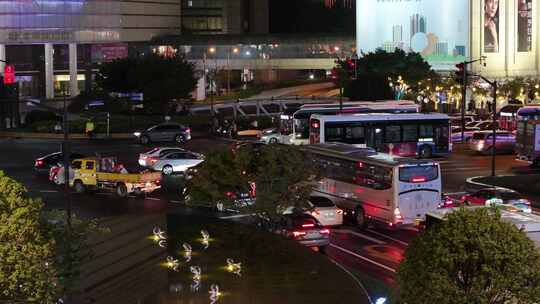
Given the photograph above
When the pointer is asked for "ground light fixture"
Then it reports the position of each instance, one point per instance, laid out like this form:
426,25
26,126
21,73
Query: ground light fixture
380,301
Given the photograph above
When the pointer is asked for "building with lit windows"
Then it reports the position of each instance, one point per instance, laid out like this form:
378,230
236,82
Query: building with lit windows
52,43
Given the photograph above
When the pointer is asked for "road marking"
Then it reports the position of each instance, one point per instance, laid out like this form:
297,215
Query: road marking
389,237
153,199
374,240
48,191
176,202
354,278
234,216
364,258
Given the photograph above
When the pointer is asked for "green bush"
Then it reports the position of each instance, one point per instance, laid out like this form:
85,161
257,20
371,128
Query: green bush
40,115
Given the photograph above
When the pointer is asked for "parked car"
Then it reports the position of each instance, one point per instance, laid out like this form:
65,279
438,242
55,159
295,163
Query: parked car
243,197
456,134
499,196
304,229
148,157
270,136
167,132
45,163
482,142
174,162
322,209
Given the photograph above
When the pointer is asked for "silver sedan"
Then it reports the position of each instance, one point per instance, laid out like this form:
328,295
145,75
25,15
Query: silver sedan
176,162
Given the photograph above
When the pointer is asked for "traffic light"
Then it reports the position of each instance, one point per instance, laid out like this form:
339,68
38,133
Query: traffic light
9,74
459,74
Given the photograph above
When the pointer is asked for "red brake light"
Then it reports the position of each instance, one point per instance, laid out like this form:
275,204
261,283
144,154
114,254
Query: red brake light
39,163
339,211
418,179
360,164
315,124
325,231
188,130
229,194
314,213
308,225
298,233
153,160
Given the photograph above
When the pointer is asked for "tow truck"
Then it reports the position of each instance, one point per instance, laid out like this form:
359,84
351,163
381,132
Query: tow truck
95,173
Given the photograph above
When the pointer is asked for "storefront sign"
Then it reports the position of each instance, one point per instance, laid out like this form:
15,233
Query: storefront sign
40,36
109,52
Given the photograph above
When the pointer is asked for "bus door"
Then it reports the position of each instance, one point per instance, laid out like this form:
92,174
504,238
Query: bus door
442,138
376,137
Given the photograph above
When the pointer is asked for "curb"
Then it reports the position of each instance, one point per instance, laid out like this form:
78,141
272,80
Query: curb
472,185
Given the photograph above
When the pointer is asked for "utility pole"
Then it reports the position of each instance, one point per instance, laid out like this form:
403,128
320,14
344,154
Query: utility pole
66,153
463,101
494,127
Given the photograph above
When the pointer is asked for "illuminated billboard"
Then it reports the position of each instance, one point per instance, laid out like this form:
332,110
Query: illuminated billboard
439,30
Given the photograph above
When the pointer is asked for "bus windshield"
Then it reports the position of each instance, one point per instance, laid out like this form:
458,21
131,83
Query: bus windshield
418,174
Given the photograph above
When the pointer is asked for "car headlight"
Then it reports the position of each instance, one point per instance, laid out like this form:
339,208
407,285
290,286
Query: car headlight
137,134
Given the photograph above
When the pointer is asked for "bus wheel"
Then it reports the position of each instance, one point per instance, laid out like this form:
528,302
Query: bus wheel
360,218
425,152
121,190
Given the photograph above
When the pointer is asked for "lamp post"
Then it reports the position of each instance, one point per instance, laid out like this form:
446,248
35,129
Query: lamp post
494,86
212,50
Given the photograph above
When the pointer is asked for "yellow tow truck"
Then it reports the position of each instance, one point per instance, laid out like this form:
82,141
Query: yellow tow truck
100,173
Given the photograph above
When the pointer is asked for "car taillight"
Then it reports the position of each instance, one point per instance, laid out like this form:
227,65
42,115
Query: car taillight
39,163
397,214
152,160
188,130
448,201
308,225
314,213
339,211
298,233
325,231
230,194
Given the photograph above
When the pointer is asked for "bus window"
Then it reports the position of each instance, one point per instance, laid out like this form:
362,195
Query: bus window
426,131
410,133
393,134
418,174
301,128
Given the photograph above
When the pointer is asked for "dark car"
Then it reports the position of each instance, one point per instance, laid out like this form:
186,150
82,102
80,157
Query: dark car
167,132
304,229
502,195
44,163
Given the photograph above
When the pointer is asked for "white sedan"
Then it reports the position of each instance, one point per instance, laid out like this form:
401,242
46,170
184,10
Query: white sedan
174,162
324,210
146,159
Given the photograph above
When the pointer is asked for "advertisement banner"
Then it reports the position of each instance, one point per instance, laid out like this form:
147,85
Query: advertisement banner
109,52
491,26
438,30
524,25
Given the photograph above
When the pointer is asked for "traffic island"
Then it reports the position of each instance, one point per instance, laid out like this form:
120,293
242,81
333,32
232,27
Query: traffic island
528,185
143,259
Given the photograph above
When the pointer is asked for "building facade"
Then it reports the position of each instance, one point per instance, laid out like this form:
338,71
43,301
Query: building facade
503,32
51,42
225,16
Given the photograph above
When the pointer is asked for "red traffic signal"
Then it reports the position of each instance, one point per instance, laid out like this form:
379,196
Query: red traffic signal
9,74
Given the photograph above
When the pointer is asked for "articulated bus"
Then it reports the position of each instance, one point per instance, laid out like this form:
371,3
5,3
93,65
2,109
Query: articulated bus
371,186
294,124
422,135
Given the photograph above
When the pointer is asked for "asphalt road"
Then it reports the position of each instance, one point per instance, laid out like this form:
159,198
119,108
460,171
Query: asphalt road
376,252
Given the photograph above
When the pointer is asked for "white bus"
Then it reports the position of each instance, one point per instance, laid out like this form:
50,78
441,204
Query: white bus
294,123
371,186
409,135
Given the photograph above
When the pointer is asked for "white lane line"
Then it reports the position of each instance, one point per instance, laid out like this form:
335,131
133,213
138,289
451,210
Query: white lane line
153,199
176,202
48,191
364,258
234,216
389,237
374,240
354,278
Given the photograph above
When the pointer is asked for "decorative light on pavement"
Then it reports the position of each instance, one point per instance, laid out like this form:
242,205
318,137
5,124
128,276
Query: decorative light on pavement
214,293
196,271
233,267
172,263
205,238
187,252
159,237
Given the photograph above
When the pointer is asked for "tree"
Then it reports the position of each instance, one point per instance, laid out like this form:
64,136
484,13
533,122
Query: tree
473,257
282,175
160,79
375,68
27,257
